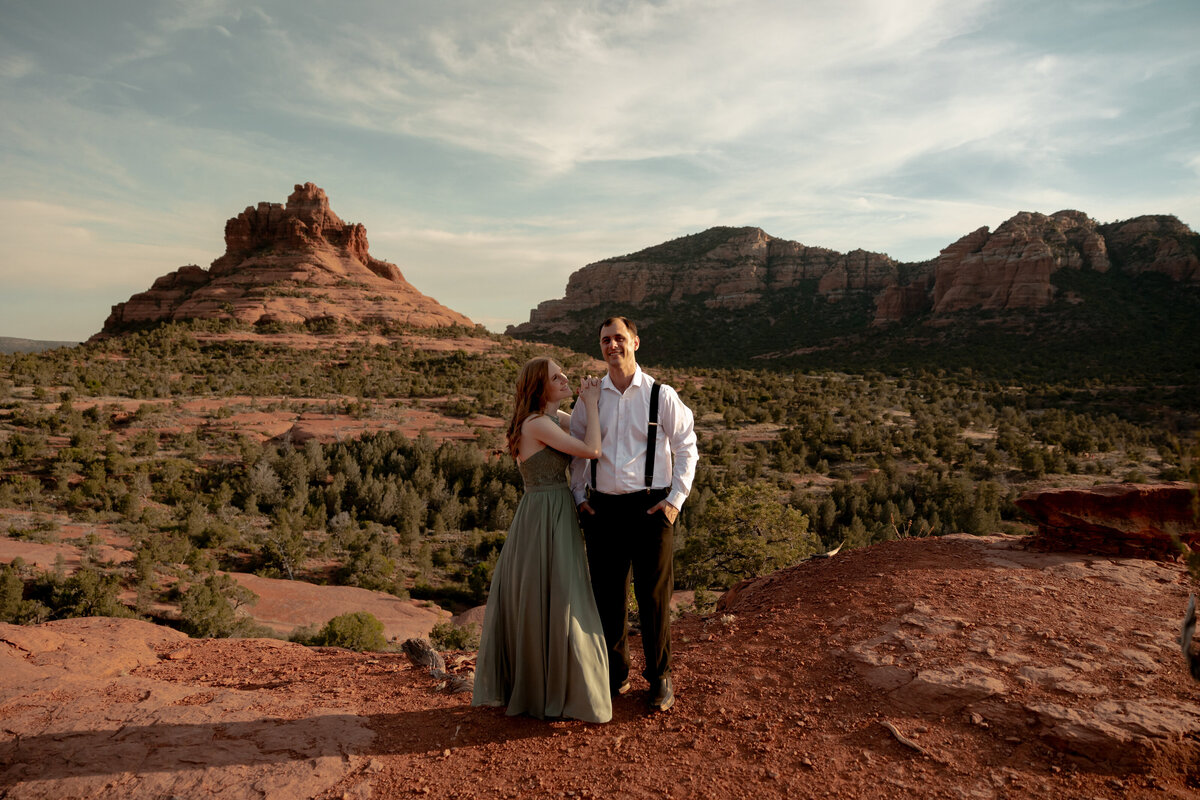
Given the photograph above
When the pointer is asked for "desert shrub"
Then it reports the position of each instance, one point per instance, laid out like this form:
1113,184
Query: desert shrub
86,593
21,491
323,325
479,578
161,547
356,630
449,636
212,608
14,608
145,442
462,407
282,547
12,593
305,635
371,560
704,601
744,532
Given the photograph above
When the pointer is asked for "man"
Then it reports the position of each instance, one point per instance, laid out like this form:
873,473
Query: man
628,506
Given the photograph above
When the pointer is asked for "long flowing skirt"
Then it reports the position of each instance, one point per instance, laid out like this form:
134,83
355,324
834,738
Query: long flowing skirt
542,648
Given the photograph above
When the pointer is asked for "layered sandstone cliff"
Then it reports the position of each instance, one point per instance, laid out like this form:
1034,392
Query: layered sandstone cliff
290,263
1008,269
1011,268
1155,244
729,267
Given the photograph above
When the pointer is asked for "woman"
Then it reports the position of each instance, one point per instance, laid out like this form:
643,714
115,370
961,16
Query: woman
542,649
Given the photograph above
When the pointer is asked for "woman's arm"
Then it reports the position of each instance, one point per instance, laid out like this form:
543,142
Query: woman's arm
547,431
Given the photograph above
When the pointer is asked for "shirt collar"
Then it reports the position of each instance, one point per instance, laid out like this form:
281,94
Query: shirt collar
638,378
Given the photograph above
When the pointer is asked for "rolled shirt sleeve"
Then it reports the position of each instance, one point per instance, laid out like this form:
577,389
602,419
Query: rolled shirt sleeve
678,423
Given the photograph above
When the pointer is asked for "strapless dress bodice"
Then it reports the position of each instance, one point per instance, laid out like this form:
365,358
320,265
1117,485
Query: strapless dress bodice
546,467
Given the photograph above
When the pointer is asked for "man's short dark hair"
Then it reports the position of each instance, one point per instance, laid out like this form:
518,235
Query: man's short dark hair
626,321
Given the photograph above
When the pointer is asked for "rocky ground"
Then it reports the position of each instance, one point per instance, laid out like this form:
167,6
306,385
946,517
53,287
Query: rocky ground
957,667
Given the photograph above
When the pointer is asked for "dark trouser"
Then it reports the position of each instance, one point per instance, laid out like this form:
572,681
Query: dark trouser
622,539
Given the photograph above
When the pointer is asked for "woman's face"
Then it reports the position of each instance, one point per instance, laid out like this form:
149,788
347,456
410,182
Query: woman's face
558,388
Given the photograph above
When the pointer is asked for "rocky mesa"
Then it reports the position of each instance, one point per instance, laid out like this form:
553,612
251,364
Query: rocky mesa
1009,268
291,263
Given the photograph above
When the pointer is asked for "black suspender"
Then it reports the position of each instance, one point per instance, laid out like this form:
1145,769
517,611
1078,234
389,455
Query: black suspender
651,433
651,437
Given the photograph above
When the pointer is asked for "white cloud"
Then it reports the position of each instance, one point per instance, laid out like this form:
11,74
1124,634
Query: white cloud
560,85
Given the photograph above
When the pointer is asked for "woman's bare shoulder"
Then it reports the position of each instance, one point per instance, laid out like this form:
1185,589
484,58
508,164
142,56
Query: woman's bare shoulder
535,422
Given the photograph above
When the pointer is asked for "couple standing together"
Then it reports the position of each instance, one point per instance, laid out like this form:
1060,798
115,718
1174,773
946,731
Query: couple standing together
555,631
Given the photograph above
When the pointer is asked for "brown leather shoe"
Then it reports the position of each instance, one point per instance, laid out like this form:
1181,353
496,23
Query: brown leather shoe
663,696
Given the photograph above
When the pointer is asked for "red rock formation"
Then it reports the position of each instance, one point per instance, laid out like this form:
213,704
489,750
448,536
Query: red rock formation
1008,269
133,735
896,302
732,267
1155,244
288,263
1117,519
859,270
1011,268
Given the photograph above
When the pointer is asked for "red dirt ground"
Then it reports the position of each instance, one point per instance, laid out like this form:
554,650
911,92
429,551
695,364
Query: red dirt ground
1010,674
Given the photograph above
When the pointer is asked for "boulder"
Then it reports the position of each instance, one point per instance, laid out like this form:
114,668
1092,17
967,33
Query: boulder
1127,734
1129,519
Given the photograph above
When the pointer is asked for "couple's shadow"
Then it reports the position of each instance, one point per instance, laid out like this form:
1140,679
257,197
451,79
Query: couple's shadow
175,747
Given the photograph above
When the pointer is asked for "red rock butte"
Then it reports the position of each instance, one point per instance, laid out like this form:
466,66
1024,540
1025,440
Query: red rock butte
293,263
1006,269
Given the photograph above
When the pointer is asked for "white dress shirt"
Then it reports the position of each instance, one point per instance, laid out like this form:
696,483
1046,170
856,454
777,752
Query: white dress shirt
623,423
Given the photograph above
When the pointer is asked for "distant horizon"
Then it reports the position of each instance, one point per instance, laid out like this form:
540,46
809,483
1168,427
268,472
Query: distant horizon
40,341
493,150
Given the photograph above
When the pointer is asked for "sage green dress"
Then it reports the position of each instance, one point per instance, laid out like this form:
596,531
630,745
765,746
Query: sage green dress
542,648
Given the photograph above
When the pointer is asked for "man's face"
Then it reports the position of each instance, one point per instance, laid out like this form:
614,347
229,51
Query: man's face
617,346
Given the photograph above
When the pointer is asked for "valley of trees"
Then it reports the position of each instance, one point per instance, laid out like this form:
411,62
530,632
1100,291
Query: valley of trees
793,463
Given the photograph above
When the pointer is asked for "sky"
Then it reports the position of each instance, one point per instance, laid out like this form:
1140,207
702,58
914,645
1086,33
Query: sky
492,148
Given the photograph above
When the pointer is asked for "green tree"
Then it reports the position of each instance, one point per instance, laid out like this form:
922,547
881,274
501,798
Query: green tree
745,532
212,608
370,560
86,593
14,608
284,546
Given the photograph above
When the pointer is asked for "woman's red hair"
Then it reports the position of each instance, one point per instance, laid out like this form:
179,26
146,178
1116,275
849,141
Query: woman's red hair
532,384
